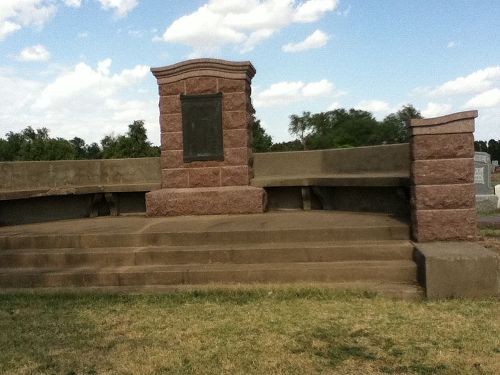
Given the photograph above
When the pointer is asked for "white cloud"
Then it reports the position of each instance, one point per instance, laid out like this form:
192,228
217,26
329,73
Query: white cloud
374,106
452,44
475,82
16,14
121,7
487,99
243,24
84,101
313,10
85,82
316,40
436,109
73,3
7,27
288,92
34,53
334,106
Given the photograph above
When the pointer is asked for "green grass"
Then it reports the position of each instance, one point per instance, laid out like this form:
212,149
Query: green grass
271,330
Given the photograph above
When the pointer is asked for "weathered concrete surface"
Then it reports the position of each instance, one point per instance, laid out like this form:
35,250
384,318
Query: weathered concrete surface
47,178
386,165
141,252
457,269
206,201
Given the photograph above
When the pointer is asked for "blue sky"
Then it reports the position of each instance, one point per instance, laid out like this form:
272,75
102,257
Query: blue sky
81,67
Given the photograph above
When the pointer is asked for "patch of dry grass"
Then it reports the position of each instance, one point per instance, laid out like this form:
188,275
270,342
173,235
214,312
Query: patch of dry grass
271,330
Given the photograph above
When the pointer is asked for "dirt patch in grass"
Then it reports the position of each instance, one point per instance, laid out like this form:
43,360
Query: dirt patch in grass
270,330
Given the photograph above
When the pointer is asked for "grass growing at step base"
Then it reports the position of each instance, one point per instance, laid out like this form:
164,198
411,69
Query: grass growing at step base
266,330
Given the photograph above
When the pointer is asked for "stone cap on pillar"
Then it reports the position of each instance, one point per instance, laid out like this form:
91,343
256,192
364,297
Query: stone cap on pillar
461,122
204,68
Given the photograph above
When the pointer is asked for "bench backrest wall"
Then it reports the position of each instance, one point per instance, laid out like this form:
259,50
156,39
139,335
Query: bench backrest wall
384,158
74,173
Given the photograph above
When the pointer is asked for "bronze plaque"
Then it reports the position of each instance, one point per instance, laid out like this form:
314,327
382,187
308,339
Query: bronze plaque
202,127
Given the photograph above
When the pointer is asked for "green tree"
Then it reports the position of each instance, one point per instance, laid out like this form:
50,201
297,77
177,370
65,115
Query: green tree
134,144
300,126
262,141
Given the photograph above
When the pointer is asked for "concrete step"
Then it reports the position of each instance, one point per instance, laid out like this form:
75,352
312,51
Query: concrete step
82,240
399,271
233,253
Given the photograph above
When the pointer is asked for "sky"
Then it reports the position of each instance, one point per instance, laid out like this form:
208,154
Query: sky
81,68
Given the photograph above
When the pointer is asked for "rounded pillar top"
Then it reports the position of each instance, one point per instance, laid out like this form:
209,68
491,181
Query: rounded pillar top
205,68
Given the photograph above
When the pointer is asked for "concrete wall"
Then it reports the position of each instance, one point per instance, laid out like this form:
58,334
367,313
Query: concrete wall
21,180
375,159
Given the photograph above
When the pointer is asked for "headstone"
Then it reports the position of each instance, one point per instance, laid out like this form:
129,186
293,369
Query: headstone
482,173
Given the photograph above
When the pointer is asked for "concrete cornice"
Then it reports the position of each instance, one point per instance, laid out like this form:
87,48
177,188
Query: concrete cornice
205,68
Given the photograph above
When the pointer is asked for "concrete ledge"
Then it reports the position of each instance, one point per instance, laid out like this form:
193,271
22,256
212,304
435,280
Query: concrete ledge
206,201
457,269
367,179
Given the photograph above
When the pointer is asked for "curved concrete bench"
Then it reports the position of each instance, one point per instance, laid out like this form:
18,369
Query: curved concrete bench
385,166
50,190
21,180
353,179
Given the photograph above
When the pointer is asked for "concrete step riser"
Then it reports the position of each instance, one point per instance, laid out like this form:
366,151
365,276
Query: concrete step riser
398,274
204,238
79,258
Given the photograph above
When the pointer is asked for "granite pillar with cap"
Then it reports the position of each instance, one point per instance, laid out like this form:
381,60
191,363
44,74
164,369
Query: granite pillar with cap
206,117
442,175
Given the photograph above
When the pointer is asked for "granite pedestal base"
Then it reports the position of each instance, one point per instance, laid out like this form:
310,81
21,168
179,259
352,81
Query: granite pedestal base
206,201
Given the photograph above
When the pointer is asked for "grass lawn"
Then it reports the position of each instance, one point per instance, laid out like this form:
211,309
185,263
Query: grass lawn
268,330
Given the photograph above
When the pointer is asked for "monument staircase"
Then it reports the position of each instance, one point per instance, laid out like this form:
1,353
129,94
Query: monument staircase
127,253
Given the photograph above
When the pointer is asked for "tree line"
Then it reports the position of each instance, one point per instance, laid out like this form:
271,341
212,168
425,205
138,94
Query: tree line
492,147
339,128
31,144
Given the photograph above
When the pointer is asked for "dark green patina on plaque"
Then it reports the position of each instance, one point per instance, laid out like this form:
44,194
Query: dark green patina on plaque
202,127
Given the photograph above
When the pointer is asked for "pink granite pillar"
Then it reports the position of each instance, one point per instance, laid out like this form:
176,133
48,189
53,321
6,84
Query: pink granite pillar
220,185
442,174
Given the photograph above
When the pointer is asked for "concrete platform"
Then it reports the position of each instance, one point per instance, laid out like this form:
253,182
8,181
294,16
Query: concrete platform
284,220
141,252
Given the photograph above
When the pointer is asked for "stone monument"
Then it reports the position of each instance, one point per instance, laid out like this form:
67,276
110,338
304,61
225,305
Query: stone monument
206,118
486,200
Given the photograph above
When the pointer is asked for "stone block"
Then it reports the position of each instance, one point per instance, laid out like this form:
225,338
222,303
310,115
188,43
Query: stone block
171,141
172,159
486,203
235,176
233,85
204,177
444,225
201,85
175,178
238,156
235,120
170,104
457,270
442,146
171,123
460,126
174,88
236,138
433,197
442,171
234,101
206,201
